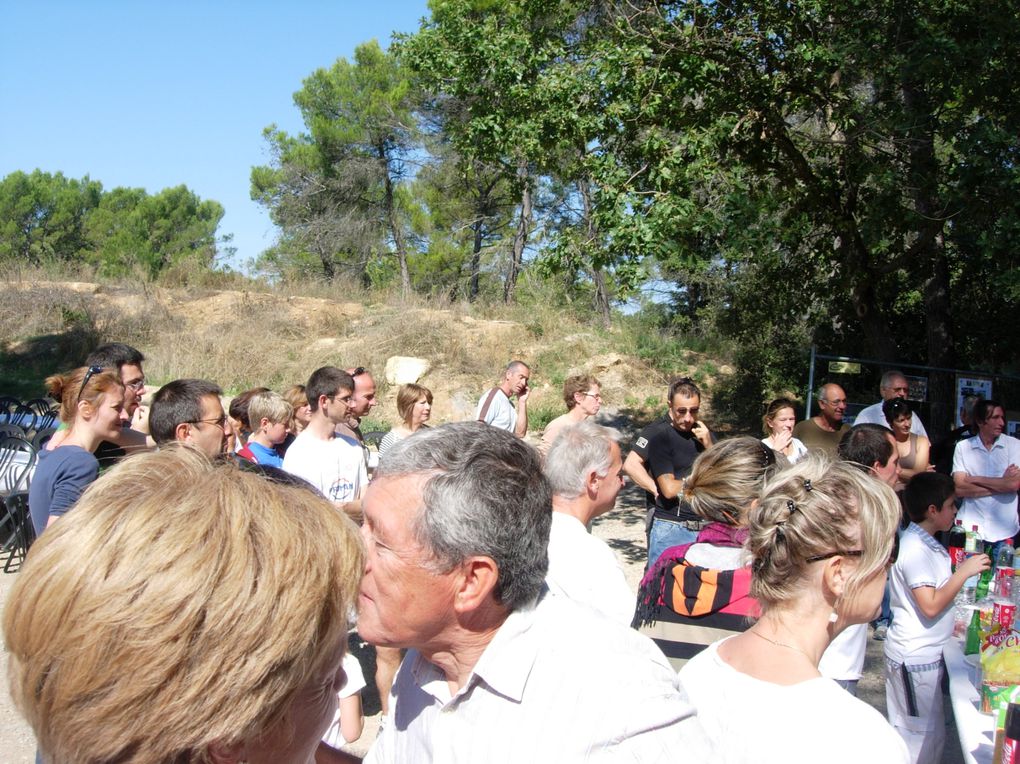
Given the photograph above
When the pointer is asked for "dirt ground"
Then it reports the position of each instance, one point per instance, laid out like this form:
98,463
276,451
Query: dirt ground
622,529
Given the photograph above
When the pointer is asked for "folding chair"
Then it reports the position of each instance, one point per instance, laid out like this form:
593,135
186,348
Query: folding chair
7,406
41,437
11,429
17,463
46,413
16,530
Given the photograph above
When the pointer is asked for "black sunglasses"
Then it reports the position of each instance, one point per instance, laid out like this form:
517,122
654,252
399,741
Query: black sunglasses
92,371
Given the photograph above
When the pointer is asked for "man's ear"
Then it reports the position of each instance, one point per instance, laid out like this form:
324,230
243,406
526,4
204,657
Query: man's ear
479,576
182,431
591,484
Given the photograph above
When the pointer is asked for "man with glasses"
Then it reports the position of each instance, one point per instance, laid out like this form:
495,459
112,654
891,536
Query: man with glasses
893,385
824,429
670,455
189,411
333,464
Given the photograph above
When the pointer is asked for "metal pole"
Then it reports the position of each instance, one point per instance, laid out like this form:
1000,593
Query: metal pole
810,385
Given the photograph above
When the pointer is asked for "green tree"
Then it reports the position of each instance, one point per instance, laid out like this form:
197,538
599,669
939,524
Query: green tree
333,190
42,216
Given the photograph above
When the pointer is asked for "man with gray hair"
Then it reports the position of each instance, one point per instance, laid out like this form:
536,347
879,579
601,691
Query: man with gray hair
893,385
456,533
584,468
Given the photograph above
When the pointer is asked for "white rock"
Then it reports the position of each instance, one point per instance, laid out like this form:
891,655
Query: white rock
402,369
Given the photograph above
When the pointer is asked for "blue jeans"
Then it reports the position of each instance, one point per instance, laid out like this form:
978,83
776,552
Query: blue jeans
665,534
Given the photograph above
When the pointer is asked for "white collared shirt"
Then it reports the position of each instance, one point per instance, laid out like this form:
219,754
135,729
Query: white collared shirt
558,683
584,569
873,415
914,637
995,515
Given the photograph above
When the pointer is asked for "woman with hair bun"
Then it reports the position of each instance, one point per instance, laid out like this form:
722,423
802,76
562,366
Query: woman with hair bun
92,405
820,542
698,593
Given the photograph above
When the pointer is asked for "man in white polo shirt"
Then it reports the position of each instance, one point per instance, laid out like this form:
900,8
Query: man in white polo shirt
987,477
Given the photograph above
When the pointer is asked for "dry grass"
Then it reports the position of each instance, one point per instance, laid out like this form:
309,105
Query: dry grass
276,335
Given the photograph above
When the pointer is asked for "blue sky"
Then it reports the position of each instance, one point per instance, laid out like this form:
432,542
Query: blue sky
151,95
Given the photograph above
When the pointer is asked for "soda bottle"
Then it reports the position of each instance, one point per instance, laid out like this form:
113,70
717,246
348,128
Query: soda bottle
957,543
972,541
973,644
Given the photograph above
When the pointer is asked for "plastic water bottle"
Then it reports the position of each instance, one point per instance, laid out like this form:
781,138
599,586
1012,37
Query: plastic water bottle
971,548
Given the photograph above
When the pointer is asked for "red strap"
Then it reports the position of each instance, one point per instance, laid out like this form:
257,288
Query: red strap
488,402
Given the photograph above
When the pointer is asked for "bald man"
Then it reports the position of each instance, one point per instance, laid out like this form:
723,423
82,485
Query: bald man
824,429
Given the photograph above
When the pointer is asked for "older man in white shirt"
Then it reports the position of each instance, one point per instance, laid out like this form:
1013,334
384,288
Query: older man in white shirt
584,468
498,670
893,385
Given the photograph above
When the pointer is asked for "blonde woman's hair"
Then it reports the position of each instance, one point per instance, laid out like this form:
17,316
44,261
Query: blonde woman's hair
816,507
772,411
728,477
296,397
407,396
268,405
69,389
182,603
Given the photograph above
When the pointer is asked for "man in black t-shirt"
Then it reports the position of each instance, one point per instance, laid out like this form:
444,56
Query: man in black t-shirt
662,457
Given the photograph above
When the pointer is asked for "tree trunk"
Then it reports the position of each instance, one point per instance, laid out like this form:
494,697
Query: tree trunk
476,259
932,267
394,223
520,235
600,300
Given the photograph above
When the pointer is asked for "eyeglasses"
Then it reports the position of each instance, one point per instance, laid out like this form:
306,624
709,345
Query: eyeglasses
219,422
137,386
359,371
341,399
92,371
837,402
596,396
838,553
693,411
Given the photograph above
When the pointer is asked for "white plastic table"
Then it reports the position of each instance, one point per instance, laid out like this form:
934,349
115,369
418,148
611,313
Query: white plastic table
976,731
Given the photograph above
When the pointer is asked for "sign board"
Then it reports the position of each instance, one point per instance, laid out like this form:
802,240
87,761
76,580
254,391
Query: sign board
965,386
844,367
918,388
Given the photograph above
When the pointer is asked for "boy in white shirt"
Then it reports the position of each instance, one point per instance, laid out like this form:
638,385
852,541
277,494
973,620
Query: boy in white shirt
923,587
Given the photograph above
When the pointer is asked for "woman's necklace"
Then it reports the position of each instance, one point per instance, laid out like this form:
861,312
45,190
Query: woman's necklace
777,643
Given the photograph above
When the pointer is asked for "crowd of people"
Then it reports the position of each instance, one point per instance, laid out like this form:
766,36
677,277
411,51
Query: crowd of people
197,571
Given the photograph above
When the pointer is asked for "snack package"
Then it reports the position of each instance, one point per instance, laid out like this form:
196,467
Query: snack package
1000,662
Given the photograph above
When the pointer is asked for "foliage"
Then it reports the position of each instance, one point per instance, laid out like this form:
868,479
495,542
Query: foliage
333,190
47,218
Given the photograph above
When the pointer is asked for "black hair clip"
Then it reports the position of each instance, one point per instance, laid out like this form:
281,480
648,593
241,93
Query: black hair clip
768,456
807,485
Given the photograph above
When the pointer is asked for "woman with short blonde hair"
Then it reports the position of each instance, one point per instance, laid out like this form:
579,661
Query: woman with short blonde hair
184,612
820,543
